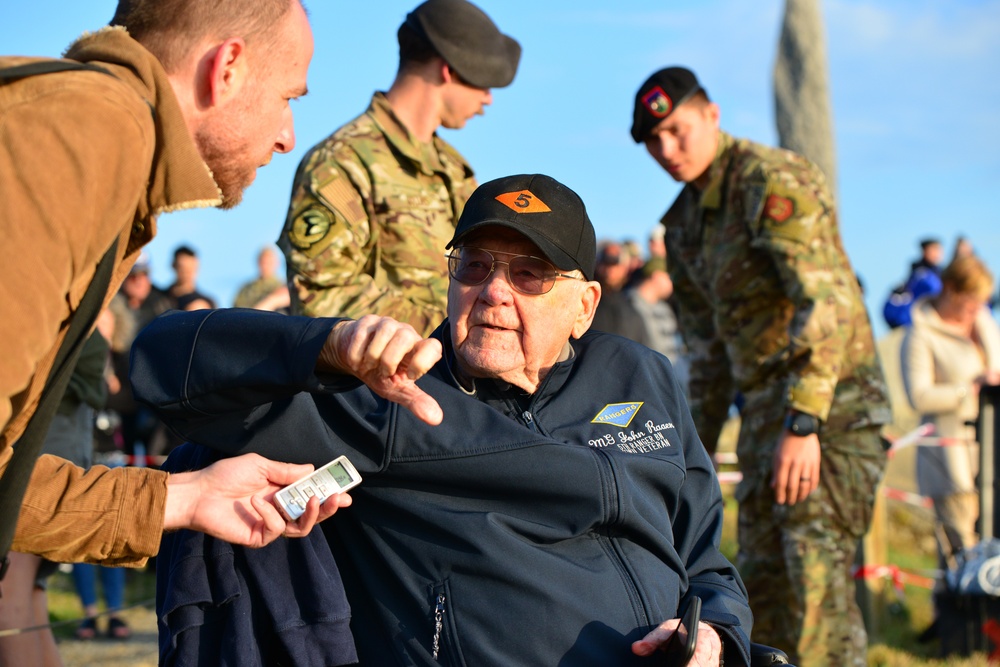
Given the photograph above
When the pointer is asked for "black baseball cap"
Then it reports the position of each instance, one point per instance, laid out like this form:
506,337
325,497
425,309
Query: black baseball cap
658,96
547,212
468,40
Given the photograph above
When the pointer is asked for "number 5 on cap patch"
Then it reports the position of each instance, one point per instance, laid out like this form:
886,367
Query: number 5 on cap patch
523,202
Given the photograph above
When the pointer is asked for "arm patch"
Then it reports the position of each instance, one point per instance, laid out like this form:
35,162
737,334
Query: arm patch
310,228
343,198
337,202
779,208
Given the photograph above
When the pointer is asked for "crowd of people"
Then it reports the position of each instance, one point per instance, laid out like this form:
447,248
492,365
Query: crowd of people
534,410
133,429
942,322
99,421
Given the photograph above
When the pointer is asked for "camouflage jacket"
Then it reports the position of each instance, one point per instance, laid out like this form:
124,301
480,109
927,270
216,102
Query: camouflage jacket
253,292
370,214
766,293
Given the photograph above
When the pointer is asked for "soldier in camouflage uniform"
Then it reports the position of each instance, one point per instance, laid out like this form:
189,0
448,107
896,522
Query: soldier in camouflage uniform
267,291
769,306
374,204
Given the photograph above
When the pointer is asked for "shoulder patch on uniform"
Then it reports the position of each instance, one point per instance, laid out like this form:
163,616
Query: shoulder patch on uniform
779,208
309,228
523,201
343,198
617,414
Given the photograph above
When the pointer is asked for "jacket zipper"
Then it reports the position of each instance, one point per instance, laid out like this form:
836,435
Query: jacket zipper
529,421
438,625
614,516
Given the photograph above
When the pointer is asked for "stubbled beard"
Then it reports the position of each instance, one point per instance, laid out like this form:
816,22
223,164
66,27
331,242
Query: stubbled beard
227,168
230,182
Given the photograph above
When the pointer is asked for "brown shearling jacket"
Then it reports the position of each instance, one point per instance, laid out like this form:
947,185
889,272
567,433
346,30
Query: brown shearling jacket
84,158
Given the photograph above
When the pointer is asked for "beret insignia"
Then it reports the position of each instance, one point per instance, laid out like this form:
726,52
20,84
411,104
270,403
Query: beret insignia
658,102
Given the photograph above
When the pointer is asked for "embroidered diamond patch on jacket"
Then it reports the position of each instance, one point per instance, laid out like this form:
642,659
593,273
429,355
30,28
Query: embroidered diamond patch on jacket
617,414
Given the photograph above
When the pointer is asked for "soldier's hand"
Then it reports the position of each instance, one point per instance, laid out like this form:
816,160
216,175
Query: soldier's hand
387,355
796,468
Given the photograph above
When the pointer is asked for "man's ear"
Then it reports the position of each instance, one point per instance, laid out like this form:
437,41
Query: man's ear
713,113
227,71
445,72
590,296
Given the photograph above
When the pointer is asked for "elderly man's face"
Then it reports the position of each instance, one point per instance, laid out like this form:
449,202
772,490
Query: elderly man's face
499,332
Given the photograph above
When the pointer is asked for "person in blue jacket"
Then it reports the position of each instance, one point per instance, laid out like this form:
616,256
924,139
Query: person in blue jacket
532,494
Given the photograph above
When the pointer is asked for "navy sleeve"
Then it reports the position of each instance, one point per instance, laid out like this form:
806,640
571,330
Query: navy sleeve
697,536
237,380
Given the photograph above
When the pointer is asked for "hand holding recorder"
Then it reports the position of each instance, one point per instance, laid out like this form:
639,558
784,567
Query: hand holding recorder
332,479
683,641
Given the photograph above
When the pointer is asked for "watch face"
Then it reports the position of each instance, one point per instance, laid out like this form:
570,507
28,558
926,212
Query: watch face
802,424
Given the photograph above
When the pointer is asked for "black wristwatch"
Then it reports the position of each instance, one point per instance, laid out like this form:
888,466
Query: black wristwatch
801,423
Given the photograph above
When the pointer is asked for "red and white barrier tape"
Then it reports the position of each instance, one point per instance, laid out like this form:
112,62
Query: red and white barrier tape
898,576
730,477
907,497
922,436
911,438
726,458
115,459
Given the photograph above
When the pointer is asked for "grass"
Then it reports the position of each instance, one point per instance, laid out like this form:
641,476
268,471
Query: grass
900,617
908,542
65,610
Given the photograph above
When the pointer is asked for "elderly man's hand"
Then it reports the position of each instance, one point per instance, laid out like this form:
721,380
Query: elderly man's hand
231,499
387,355
707,652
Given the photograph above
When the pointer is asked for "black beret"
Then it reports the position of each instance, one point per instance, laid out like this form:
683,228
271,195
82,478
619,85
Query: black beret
468,40
658,96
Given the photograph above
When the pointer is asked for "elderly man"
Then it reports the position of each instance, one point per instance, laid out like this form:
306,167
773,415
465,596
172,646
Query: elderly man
544,500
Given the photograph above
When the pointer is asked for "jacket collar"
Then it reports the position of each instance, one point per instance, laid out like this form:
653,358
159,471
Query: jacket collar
487,389
711,196
179,179
924,314
426,157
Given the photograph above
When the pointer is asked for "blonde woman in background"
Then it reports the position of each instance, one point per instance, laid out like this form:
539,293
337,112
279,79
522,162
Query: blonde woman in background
949,352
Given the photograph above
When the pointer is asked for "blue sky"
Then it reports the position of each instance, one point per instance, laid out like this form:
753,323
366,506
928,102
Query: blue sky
914,89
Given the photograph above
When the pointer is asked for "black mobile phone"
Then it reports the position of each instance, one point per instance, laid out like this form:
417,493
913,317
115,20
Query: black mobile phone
680,646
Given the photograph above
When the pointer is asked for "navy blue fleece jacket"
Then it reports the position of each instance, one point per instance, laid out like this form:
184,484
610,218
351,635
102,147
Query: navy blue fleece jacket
547,529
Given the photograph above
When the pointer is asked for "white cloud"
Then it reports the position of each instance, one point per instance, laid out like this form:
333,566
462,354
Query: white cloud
916,80
947,30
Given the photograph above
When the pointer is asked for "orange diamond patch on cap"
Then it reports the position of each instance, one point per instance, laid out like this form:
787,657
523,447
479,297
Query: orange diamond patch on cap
523,201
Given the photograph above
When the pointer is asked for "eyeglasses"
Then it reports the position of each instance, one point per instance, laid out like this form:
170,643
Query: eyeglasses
526,274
